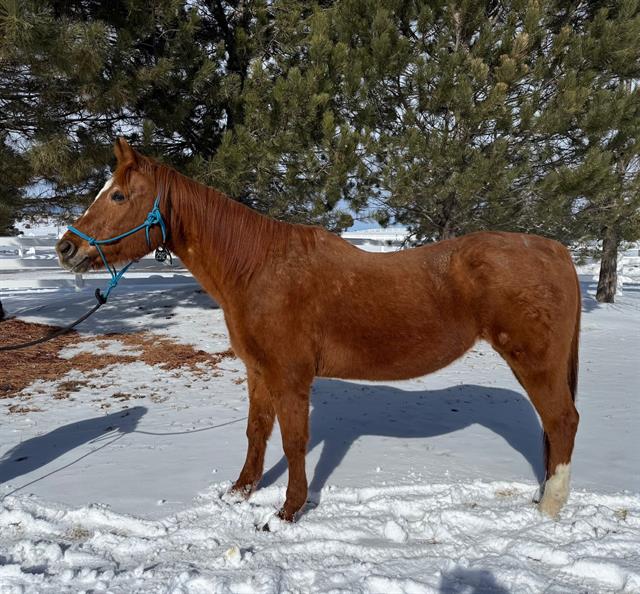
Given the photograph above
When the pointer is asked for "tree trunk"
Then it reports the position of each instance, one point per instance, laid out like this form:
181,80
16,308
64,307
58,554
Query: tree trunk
608,280
447,230
237,63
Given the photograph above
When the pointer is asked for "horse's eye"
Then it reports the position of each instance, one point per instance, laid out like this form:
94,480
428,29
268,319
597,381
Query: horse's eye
118,197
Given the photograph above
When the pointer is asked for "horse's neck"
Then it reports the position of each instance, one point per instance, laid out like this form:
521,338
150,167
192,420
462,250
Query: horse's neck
210,235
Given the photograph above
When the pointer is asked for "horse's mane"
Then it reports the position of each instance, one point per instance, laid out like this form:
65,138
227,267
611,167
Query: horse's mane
242,237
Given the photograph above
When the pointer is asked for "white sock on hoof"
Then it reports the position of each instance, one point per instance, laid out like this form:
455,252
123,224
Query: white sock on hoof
556,491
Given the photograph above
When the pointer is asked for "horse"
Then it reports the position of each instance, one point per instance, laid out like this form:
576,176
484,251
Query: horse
300,302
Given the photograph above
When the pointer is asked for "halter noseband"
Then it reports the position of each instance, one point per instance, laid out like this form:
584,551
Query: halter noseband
153,218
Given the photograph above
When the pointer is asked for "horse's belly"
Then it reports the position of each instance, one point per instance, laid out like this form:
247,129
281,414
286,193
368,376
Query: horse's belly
391,358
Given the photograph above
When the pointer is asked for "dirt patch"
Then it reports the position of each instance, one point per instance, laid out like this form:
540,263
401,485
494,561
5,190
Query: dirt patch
21,410
65,388
508,492
124,396
19,369
158,350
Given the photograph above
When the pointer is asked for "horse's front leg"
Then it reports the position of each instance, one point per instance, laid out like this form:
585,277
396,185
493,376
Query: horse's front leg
292,408
259,426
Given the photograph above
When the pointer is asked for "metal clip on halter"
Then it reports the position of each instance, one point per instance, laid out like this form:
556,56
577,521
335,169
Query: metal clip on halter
162,254
153,218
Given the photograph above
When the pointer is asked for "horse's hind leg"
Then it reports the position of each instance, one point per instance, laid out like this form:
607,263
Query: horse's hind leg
551,396
259,426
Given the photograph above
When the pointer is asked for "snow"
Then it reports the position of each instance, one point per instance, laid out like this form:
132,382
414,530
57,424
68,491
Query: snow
417,486
99,347
46,227
448,537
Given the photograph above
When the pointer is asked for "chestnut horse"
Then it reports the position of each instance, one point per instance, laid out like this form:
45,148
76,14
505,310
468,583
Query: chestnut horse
300,302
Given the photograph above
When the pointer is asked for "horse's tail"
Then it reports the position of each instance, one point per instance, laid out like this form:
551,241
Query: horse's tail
572,368
572,364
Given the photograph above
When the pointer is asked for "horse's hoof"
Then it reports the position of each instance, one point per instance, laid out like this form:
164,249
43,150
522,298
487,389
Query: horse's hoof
556,492
237,495
285,516
276,522
550,507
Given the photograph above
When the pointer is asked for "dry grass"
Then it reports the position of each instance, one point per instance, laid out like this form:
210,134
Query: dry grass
19,369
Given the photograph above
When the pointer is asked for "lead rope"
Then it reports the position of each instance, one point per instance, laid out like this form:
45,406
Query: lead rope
153,218
59,331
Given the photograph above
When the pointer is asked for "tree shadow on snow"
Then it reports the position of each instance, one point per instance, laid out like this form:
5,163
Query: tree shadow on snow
589,287
39,451
130,310
470,581
588,291
344,411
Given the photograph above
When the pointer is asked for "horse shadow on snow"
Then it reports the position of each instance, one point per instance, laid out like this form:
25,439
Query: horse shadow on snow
136,309
98,432
342,412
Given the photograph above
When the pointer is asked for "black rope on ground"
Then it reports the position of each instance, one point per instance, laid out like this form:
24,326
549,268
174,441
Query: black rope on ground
55,333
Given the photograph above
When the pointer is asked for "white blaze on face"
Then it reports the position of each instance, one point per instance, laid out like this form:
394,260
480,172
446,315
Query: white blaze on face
105,188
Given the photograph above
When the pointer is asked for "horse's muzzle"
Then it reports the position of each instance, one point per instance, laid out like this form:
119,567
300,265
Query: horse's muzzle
70,257
65,249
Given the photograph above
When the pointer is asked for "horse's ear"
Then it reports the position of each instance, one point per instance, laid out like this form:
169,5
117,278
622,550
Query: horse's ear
124,153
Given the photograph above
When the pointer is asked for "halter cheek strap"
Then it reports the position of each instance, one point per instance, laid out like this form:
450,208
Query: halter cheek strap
153,218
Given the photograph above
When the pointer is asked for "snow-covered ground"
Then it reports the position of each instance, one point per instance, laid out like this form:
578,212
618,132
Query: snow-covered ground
42,228
416,486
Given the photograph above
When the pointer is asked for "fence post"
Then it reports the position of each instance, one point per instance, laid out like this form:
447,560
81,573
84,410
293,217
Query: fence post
79,282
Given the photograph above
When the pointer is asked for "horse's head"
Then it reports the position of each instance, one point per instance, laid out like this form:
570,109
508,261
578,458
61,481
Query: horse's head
122,204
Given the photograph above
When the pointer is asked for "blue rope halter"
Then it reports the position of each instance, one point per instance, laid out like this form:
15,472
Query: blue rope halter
153,218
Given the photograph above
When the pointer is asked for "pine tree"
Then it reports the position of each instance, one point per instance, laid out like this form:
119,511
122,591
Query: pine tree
46,127
293,155
15,96
14,174
440,95
446,116
591,127
234,94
